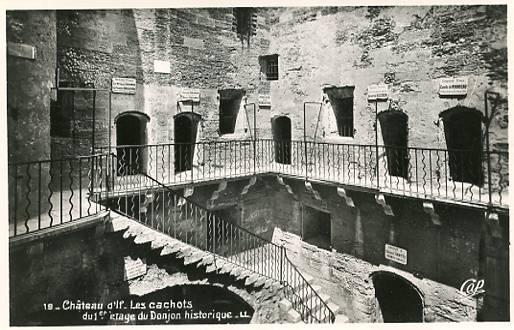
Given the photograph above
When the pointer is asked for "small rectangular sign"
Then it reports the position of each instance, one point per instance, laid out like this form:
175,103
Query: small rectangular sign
124,85
265,100
453,86
21,50
396,254
190,94
161,66
133,268
378,92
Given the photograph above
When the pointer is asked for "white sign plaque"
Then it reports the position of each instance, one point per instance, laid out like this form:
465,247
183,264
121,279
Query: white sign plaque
378,92
190,94
133,268
124,85
265,100
161,66
453,86
396,254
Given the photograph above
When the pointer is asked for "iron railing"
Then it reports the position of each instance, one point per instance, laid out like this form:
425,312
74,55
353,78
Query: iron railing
459,175
47,193
165,210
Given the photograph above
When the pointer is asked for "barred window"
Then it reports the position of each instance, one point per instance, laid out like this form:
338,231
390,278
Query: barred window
269,66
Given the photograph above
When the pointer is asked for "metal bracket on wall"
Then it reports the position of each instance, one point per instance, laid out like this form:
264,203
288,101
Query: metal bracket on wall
216,194
493,222
342,192
247,187
189,191
311,189
288,187
380,199
428,207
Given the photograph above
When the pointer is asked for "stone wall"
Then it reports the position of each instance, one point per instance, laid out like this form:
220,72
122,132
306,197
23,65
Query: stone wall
408,48
440,257
88,265
199,46
30,75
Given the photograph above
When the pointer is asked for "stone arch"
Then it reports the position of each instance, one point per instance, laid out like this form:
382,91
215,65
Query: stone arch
281,130
131,136
397,298
463,135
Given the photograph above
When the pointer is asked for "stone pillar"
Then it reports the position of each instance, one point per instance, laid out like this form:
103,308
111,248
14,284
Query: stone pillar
31,64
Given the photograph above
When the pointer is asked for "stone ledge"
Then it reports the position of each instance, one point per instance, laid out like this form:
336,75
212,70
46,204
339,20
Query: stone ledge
64,228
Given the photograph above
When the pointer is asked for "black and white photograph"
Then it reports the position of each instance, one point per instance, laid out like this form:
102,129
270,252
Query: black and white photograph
185,163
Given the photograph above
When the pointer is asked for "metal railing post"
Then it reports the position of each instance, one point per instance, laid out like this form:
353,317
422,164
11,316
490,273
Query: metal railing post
282,255
376,144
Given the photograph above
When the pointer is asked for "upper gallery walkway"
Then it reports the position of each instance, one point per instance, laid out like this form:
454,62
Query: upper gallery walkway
46,193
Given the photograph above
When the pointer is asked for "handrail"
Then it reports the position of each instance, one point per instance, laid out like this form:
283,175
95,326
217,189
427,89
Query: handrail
323,309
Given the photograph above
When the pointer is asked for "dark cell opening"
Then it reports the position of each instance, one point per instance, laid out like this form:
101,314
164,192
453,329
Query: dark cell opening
394,129
222,236
230,102
281,128
397,299
130,137
186,125
341,99
316,228
463,133
269,66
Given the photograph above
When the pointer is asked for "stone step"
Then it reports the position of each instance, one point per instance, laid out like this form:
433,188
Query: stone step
158,243
116,223
170,248
195,257
293,316
251,279
207,260
301,284
260,282
315,303
334,308
185,251
341,318
144,238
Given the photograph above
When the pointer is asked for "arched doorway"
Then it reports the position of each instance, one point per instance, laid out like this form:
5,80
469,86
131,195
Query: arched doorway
463,134
130,141
281,128
398,299
186,125
394,129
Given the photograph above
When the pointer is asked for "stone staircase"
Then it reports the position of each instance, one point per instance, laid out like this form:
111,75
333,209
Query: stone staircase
291,315
214,264
190,255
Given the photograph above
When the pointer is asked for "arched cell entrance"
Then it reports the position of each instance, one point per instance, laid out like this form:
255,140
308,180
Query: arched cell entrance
393,125
281,128
463,134
398,299
186,126
130,139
